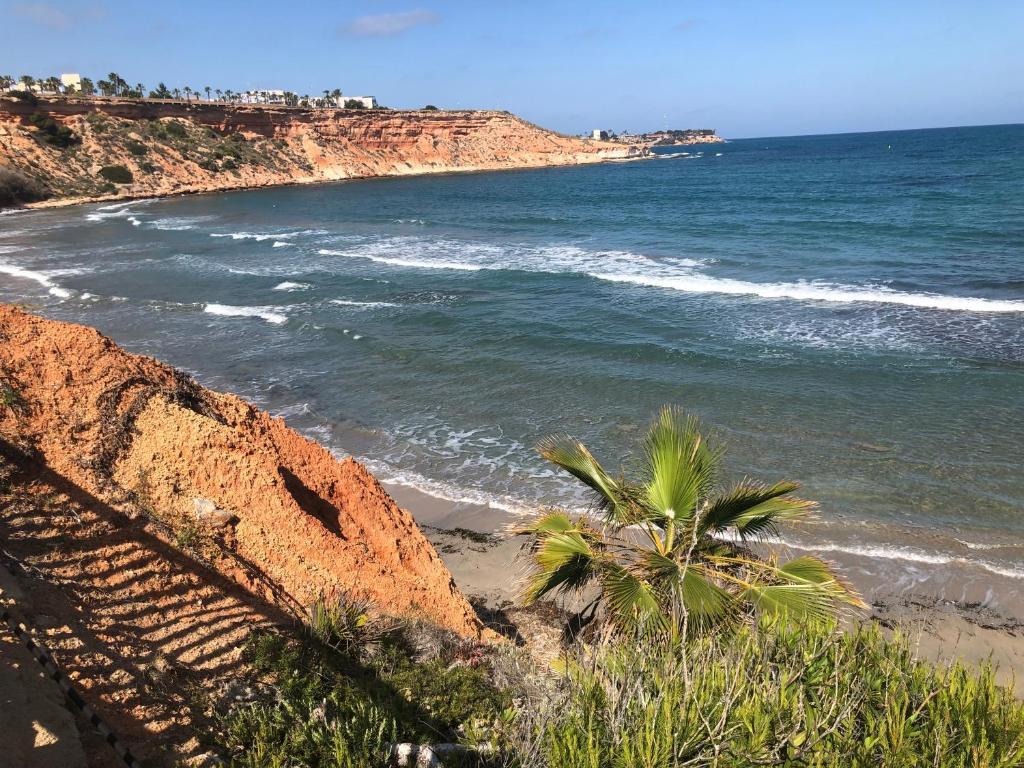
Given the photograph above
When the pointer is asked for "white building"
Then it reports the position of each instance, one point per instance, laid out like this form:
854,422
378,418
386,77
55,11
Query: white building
600,135
72,82
368,102
262,97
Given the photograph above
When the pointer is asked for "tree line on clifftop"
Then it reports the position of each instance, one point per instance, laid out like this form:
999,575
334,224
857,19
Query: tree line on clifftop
114,86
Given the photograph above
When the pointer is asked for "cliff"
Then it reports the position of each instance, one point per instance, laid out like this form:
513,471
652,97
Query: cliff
175,148
265,507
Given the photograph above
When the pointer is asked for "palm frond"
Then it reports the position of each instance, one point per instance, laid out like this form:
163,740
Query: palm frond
680,466
690,585
572,456
565,560
801,601
754,509
808,569
631,599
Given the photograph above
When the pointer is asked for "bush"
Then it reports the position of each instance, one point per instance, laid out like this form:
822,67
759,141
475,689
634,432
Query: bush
16,188
147,167
430,108
137,148
175,129
26,96
51,132
335,707
772,695
117,174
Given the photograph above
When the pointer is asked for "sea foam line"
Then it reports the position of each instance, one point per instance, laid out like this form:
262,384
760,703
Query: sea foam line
363,304
264,313
38,277
813,292
400,262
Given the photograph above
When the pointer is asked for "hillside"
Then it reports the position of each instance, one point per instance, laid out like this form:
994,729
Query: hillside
175,148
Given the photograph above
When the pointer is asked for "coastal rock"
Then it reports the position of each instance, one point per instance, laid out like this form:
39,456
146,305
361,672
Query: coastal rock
221,146
307,525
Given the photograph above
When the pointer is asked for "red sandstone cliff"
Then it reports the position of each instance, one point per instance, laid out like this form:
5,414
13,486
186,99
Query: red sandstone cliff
223,147
148,441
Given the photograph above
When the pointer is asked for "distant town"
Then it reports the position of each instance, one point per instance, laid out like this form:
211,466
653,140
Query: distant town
114,86
659,138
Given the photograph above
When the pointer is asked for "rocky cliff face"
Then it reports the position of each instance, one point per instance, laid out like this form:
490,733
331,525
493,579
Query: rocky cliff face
262,505
173,148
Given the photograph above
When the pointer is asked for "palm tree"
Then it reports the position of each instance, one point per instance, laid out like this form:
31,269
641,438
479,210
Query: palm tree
6,81
177,93
220,94
208,89
672,548
188,92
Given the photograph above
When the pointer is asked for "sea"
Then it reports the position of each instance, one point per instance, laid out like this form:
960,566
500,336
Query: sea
846,311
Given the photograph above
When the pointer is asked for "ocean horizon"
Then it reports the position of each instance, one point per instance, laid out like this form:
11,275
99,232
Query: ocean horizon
844,310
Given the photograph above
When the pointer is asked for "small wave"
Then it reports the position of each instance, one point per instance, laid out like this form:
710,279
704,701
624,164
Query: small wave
400,262
177,223
813,292
263,236
446,491
281,244
410,221
39,277
135,221
264,313
103,214
290,286
363,304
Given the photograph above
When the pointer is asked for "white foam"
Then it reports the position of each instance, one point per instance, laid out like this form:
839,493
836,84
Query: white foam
421,253
177,223
908,554
290,286
808,291
262,236
39,277
281,244
363,304
402,262
270,314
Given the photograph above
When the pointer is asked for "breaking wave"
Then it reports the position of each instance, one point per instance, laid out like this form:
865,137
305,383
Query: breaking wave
812,291
270,314
39,277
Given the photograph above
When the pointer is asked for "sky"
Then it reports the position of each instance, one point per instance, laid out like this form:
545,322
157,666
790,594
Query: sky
766,68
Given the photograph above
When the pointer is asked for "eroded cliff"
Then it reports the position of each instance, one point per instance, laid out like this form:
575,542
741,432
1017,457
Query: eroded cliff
265,507
173,148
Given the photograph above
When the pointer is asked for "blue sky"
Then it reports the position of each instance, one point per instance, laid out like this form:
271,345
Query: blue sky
745,68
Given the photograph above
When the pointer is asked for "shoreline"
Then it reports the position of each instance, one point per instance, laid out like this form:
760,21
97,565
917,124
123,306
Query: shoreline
58,203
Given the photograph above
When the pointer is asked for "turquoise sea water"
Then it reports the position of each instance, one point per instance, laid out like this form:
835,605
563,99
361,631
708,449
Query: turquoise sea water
845,310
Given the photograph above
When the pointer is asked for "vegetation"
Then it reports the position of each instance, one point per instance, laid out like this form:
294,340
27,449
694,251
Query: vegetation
771,694
343,705
16,188
673,549
115,86
430,108
117,174
53,133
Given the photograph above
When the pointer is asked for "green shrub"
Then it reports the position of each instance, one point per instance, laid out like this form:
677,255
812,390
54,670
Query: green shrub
770,695
53,133
26,96
147,167
117,174
430,108
175,129
137,148
16,188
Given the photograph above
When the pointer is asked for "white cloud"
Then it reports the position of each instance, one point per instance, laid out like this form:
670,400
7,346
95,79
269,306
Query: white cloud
389,24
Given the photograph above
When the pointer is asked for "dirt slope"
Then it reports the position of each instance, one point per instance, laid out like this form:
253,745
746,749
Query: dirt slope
175,148
142,437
